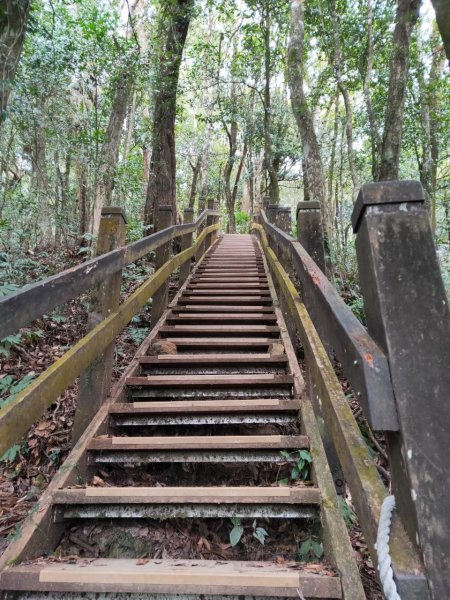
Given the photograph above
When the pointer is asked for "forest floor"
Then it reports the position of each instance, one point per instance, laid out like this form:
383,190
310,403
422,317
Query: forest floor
28,467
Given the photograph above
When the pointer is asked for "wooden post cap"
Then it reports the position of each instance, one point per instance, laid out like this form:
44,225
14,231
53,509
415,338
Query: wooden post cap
114,210
385,192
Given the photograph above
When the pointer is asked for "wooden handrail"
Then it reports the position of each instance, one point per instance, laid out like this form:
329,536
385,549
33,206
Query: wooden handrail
366,487
28,405
363,362
32,301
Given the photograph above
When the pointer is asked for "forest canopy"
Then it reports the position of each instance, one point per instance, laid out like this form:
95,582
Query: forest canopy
148,102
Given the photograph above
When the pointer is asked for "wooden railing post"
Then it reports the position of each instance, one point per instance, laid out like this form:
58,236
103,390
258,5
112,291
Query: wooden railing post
265,203
408,316
272,211
95,382
163,253
186,242
201,248
283,219
210,220
310,231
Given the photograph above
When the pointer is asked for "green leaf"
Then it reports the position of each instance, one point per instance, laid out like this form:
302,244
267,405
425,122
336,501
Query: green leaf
305,547
285,454
305,455
236,534
283,482
317,548
11,454
295,473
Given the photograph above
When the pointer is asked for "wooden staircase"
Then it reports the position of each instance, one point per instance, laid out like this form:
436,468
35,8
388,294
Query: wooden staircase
173,445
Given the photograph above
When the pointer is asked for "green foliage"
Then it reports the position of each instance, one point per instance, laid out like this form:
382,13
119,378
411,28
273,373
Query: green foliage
301,468
310,550
10,387
242,222
237,532
259,533
350,517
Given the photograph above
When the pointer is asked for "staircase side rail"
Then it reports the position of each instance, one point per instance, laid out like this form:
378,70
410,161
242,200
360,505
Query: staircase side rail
362,360
365,484
34,300
28,405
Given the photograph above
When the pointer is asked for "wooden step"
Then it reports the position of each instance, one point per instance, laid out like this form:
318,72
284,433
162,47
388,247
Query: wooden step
247,285
198,495
262,405
195,381
244,319
199,442
220,299
213,308
206,577
214,359
222,344
214,330
242,292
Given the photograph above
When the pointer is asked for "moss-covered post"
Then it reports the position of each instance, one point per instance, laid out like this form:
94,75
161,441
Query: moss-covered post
310,231
161,298
407,314
201,247
284,219
272,211
95,382
186,242
210,220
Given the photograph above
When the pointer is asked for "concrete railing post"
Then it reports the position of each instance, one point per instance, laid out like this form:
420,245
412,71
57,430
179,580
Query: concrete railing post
186,242
95,382
310,231
408,316
161,297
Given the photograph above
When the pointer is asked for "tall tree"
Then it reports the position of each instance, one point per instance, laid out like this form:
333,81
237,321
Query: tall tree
302,113
175,19
442,10
13,22
405,20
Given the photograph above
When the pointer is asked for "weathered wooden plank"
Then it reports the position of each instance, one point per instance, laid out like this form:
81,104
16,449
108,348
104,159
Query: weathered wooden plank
199,495
29,404
175,577
209,380
236,442
246,405
213,359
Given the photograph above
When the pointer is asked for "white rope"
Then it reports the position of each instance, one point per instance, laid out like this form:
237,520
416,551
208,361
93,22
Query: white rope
382,546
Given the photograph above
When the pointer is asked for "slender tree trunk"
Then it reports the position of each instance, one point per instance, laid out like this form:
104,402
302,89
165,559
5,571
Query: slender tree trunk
162,184
130,127
110,150
195,173
346,97
82,198
232,140
375,138
442,10
274,191
13,22
311,151
406,18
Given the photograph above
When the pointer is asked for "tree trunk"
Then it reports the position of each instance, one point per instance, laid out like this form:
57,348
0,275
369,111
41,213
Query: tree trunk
375,139
195,173
110,149
346,97
161,184
13,22
406,18
232,139
274,191
442,10
302,113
